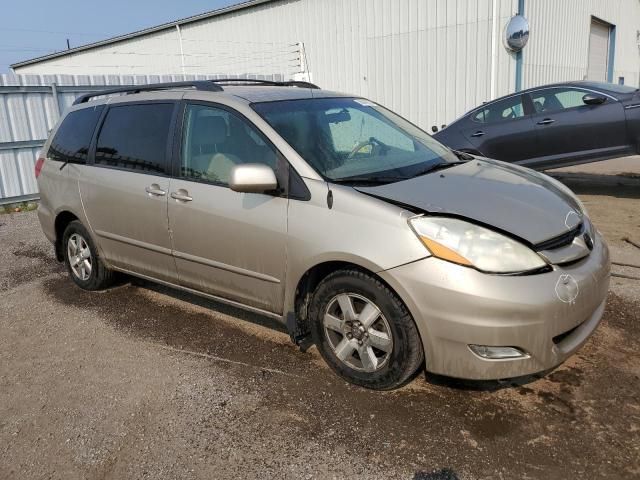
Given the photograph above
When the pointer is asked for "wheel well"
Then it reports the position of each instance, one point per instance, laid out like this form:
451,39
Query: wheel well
307,285
62,220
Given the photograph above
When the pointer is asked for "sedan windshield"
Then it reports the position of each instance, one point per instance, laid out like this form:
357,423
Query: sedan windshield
353,140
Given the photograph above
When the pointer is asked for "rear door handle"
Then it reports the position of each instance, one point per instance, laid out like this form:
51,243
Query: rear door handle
479,133
546,121
155,190
181,195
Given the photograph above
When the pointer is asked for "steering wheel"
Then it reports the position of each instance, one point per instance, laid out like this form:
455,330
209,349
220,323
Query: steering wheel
373,141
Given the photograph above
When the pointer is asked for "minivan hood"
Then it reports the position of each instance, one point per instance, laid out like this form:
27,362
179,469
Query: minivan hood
510,198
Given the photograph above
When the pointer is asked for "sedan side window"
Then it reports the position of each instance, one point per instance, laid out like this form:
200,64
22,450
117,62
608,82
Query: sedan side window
555,99
214,140
506,109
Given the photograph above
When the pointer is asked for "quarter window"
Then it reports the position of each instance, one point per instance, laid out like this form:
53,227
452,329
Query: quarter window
506,109
215,140
71,143
135,137
553,100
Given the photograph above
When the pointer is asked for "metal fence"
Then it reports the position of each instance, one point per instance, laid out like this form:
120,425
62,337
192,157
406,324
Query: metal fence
30,106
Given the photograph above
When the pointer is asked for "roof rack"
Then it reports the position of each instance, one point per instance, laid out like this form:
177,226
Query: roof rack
204,85
197,84
251,81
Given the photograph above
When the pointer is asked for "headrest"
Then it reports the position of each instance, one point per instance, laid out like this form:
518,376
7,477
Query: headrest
209,130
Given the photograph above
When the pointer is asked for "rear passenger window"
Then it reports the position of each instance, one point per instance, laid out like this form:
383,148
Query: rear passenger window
72,140
506,109
135,137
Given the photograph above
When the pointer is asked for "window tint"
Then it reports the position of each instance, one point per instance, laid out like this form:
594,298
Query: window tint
555,99
215,140
506,109
135,137
71,143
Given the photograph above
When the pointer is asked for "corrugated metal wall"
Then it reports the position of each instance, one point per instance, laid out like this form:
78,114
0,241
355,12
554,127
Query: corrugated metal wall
559,44
428,59
30,107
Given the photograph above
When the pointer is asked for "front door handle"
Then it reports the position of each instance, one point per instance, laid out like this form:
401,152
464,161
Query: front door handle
181,196
546,121
479,133
155,190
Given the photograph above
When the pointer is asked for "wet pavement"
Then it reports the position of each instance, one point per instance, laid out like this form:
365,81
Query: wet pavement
142,381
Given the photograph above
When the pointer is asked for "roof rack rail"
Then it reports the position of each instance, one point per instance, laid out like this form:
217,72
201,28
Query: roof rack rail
206,85
274,83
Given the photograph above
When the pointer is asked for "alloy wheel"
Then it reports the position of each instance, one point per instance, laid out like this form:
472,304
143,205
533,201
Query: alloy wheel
358,333
79,256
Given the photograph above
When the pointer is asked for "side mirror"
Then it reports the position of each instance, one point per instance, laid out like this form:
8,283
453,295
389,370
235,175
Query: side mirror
593,99
252,178
434,129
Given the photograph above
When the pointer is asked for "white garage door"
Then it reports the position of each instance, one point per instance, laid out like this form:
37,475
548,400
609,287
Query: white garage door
598,51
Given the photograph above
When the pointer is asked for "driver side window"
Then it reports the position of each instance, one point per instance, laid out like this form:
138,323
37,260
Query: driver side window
214,140
553,100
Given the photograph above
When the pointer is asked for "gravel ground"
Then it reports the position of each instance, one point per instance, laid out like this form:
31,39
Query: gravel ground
144,382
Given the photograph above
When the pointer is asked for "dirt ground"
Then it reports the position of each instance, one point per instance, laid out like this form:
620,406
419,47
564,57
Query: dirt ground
143,382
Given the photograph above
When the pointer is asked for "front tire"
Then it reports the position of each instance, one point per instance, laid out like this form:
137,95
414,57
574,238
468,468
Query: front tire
364,331
81,258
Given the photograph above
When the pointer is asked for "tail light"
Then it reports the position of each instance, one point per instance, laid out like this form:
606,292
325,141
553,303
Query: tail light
39,164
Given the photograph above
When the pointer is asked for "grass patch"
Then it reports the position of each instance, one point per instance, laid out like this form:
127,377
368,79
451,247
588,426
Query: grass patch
18,207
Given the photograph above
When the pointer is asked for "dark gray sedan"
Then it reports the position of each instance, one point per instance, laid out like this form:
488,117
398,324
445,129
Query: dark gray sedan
551,126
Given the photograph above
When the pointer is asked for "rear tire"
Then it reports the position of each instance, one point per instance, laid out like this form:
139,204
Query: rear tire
364,331
82,261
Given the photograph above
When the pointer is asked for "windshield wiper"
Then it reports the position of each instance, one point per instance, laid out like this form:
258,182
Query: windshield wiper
438,166
463,155
369,180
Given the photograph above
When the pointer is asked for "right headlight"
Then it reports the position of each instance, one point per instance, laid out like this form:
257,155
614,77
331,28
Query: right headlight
467,244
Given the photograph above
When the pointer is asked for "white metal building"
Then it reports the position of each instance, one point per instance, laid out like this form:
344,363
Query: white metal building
431,60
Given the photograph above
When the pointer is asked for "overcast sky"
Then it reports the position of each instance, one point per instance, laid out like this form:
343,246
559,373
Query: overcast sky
31,28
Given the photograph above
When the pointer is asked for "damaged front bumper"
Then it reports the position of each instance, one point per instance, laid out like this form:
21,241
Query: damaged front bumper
547,316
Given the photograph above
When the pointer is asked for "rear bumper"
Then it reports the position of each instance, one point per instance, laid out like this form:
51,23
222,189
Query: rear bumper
548,316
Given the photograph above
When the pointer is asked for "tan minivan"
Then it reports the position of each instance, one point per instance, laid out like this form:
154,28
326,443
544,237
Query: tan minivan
332,214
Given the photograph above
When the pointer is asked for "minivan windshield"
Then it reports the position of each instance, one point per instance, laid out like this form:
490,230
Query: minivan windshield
353,140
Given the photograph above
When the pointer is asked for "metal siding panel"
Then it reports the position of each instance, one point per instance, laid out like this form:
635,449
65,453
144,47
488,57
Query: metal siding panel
429,59
28,116
558,49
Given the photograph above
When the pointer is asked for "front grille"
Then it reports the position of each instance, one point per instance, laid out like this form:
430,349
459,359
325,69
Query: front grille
561,240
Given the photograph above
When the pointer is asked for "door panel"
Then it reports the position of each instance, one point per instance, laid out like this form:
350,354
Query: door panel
502,130
570,131
230,244
226,243
125,192
131,224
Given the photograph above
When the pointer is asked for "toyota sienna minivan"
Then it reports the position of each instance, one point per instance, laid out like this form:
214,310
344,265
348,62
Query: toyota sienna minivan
356,229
